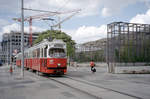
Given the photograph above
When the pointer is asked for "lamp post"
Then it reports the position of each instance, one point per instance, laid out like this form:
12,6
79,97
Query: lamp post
22,38
7,50
10,47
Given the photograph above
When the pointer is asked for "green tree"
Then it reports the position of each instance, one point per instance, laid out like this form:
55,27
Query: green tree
129,52
55,34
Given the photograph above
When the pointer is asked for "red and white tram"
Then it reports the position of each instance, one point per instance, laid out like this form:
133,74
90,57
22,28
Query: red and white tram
46,57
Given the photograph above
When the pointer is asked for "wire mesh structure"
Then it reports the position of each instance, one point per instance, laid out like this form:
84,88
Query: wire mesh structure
128,44
94,50
88,53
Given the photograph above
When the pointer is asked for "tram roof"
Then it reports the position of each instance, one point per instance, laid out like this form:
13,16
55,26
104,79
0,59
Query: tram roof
45,42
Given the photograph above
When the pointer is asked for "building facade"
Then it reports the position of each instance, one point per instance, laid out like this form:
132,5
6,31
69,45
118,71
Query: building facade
11,44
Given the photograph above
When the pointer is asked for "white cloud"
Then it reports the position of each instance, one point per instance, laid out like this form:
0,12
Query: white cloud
89,7
112,7
12,27
3,22
88,33
81,35
142,18
70,32
106,12
16,27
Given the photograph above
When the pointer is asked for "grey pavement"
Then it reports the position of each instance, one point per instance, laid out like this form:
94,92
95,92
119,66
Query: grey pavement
109,86
34,87
133,84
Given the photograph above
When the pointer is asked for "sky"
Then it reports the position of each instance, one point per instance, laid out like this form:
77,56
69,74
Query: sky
88,25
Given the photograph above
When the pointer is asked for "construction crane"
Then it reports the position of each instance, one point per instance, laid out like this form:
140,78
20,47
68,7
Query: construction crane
40,16
62,21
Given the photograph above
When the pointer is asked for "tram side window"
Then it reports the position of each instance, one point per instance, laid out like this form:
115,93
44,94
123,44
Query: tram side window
38,52
45,51
25,56
19,56
31,54
34,53
42,52
28,54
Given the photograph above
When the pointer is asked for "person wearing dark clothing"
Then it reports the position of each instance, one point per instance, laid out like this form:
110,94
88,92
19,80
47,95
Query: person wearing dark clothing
92,64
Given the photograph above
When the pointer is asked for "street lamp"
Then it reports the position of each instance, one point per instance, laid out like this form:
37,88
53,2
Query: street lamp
7,50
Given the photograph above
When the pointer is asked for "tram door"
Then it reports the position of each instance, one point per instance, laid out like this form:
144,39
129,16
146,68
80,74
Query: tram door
44,56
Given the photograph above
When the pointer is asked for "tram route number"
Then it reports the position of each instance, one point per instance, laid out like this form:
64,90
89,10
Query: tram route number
58,45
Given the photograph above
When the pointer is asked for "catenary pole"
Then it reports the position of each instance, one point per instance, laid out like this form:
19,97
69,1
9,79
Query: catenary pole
22,38
10,49
7,50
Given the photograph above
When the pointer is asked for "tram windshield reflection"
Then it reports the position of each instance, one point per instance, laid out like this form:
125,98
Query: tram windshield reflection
57,52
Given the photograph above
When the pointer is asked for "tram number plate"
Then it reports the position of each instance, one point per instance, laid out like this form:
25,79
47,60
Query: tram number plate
51,61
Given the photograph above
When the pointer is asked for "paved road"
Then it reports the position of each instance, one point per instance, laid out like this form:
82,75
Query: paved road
35,87
132,84
105,86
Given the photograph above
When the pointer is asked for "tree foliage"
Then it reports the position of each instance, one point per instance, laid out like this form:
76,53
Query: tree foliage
133,53
96,56
52,34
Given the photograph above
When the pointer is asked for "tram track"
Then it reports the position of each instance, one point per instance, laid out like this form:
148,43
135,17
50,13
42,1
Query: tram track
73,83
86,82
79,90
55,79
101,89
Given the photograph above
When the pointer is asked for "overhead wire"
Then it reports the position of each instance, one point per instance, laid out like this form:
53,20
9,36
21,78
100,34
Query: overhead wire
40,10
63,6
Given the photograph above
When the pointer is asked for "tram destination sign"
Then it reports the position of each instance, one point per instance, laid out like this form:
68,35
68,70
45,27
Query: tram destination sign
59,45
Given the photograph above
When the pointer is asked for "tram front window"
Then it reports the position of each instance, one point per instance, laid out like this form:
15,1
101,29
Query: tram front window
57,52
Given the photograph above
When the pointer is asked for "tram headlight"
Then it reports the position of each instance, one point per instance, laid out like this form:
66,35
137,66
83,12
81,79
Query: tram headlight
58,64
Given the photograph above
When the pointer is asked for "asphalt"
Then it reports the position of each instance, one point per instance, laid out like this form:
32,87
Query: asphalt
137,85
82,81
33,86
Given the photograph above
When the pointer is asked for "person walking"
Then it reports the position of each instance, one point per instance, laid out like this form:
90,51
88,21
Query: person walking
92,64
